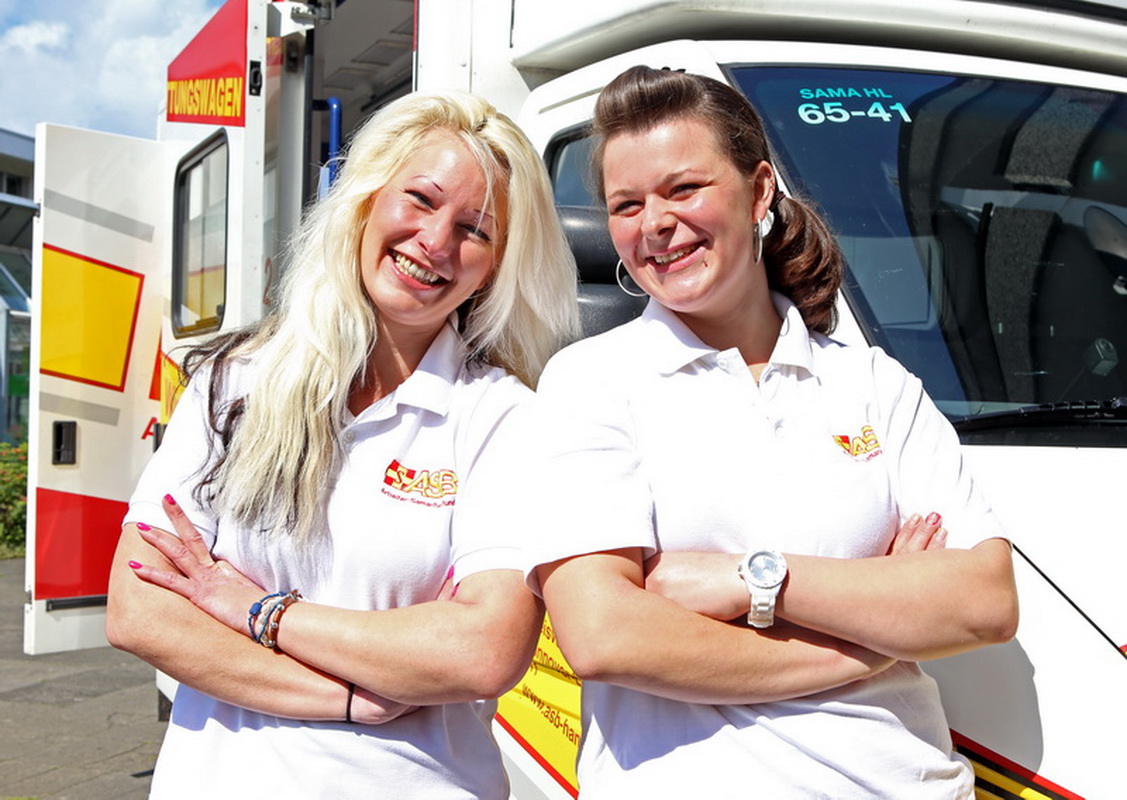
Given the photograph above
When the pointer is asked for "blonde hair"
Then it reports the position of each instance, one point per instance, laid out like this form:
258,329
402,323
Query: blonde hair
281,443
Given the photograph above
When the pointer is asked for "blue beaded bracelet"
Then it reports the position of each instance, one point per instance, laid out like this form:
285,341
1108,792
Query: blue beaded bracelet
255,610
269,615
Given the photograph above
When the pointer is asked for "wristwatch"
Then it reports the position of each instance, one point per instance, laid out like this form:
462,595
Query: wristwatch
763,571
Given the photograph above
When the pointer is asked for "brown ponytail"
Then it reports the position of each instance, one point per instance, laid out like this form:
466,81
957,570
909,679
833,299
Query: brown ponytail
804,262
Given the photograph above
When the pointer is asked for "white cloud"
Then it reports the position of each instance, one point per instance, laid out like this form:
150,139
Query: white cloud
92,65
34,37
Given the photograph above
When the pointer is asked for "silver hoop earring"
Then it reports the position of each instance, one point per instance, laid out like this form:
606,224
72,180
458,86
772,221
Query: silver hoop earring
618,268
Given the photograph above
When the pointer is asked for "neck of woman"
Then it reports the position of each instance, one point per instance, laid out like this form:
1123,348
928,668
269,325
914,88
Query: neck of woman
392,360
752,329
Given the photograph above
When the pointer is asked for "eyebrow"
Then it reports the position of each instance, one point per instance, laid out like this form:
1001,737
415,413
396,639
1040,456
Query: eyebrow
480,213
672,177
428,179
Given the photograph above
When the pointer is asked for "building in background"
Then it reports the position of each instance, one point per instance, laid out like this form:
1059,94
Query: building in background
17,210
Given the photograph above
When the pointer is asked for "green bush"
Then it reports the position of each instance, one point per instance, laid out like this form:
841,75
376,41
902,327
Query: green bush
13,495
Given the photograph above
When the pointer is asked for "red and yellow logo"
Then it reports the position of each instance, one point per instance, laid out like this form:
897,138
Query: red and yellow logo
433,487
860,448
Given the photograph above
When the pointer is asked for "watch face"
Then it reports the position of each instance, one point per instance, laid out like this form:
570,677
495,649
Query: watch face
766,568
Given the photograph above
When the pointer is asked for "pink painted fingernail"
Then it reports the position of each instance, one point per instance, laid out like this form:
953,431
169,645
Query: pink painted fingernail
135,564
450,573
143,527
933,518
170,499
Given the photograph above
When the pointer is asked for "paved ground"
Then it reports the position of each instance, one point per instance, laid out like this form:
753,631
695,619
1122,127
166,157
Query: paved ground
73,726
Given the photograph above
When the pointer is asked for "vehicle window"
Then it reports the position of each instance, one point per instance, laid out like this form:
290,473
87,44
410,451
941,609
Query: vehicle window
199,260
984,223
569,167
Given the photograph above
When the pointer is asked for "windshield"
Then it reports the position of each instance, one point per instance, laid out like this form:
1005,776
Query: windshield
984,223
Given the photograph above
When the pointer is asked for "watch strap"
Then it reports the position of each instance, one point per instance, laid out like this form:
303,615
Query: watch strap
761,611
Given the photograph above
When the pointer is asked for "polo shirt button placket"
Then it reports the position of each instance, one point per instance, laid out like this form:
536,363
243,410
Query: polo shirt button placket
768,390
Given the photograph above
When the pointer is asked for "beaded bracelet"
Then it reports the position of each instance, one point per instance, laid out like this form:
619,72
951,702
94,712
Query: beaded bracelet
264,622
269,635
255,609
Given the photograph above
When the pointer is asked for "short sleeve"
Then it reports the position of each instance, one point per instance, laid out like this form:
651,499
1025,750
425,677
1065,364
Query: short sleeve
928,470
582,486
175,467
486,429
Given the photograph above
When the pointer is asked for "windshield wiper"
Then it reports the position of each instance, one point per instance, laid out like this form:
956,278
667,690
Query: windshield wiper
1098,411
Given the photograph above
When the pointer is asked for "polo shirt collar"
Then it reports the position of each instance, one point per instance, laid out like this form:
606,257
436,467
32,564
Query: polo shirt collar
672,345
793,347
669,342
429,387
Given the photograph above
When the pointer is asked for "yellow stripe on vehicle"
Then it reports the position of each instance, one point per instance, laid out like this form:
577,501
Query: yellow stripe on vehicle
996,776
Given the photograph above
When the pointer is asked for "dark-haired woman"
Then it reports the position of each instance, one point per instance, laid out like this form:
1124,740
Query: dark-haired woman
720,541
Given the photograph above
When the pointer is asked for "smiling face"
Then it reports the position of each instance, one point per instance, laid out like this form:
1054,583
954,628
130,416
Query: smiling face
682,219
430,240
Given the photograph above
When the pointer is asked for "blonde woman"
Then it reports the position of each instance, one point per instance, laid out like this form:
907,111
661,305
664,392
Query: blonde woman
335,601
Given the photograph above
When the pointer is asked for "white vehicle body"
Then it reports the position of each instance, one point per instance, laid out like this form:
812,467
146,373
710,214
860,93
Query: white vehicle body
1041,716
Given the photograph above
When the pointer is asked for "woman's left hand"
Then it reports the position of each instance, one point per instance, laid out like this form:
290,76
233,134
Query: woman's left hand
215,587
918,534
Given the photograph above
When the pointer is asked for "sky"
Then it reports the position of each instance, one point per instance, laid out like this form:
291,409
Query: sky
96,64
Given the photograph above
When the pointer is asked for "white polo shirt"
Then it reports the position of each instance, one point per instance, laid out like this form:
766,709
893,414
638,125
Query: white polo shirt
403,511
646,437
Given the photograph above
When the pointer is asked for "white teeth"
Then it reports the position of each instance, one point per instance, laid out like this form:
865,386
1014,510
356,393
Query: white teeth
676,254
409,267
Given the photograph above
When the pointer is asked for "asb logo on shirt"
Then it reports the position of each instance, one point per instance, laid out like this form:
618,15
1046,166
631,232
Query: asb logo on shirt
860,448
426,487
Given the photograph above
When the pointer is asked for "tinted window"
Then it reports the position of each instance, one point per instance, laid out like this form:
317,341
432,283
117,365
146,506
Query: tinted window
984,223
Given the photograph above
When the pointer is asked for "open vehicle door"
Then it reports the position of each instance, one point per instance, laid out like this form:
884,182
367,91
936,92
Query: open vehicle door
98,249
141,247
